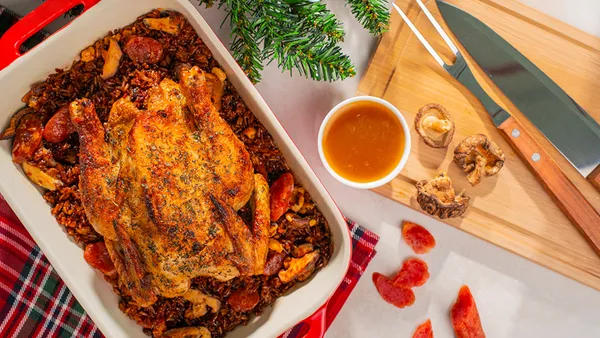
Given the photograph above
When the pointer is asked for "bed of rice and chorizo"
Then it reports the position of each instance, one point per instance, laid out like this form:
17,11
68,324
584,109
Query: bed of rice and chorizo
302,228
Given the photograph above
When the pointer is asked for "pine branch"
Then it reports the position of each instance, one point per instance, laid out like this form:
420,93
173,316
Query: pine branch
244,46
374,15
318,21
297,34
303,36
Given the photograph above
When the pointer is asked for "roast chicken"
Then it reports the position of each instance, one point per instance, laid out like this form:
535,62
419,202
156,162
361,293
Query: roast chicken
163,186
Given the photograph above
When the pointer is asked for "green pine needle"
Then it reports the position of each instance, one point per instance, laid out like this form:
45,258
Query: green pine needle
301,35
374,15
244,46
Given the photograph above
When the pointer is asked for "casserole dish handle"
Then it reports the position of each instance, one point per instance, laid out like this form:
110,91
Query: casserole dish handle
33,23
316,323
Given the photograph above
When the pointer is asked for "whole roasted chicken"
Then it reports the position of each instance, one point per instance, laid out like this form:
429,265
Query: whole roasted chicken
163,185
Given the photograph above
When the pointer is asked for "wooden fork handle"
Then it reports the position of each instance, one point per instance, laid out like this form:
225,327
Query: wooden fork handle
565,194
594,178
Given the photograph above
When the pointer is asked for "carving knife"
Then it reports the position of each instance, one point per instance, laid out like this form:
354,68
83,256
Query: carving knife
562,121
557,184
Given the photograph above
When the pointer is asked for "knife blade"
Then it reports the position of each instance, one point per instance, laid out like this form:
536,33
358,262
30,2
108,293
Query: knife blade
562,121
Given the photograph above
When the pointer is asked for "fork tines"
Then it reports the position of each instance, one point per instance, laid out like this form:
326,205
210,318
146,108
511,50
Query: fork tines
438,28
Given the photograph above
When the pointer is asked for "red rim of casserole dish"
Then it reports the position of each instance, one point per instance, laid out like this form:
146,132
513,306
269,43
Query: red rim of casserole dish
32,23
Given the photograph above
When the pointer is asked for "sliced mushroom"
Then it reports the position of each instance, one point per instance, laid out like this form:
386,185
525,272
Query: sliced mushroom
41,177
435,125
437,197
299,268
302,250
188,332
11,130
167,25
478,157
200,304
112,59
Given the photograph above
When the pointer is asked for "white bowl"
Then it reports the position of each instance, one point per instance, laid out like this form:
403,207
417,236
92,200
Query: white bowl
399,166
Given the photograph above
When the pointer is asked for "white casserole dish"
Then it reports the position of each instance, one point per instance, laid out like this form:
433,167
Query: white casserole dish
94,294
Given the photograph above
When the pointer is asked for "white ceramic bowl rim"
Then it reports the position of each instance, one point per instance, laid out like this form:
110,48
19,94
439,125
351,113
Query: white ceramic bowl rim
399,166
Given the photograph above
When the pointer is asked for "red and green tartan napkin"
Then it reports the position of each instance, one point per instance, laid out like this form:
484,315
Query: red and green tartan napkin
34,301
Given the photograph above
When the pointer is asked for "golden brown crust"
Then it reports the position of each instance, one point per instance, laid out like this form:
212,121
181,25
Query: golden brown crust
435,125
173,189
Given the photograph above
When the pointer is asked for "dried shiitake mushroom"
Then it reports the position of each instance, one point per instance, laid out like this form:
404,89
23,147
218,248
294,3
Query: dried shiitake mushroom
435,125
200,304
437,197
11,130
479,157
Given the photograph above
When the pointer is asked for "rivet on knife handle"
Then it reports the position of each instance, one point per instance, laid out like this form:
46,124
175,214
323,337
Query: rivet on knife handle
566,195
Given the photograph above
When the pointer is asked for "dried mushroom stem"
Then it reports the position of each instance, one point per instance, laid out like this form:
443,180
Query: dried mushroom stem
435,125
478,157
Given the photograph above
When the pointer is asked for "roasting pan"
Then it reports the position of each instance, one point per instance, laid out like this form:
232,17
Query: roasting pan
87,285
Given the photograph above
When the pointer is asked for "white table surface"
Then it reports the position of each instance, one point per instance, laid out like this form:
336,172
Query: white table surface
516,298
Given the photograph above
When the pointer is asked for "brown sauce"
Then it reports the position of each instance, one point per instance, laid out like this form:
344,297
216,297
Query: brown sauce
363,141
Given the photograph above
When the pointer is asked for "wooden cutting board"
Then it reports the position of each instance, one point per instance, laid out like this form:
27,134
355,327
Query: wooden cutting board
511,210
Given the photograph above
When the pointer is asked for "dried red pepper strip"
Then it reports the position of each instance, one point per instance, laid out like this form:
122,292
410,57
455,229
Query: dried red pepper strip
414,272
424,330
417,237
397,296
465,317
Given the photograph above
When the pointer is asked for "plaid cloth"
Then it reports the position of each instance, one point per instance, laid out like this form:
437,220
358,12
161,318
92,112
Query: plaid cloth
34,301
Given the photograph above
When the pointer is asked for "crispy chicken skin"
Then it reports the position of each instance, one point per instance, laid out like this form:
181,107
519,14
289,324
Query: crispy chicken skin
163,186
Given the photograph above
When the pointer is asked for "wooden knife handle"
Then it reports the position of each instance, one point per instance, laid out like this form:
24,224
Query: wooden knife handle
565,194
594,178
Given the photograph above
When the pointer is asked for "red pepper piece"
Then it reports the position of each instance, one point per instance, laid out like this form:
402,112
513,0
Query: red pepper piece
397,296
424,330
465,317
281,192
414,272
417,237
96,255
